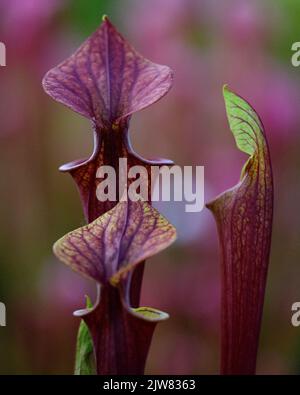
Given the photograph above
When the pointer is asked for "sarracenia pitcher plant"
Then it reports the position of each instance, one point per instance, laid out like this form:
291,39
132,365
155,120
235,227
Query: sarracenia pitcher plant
244,219
107,81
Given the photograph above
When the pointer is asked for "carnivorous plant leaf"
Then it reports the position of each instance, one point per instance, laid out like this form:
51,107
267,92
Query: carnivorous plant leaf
106,80
107,251
244,220
112,245
85,363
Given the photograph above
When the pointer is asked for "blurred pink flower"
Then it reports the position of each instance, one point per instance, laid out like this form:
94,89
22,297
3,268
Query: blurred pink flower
31,39
59,284
26,27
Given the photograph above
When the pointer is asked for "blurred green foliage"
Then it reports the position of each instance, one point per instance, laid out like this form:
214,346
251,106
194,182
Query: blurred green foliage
289,12
85,15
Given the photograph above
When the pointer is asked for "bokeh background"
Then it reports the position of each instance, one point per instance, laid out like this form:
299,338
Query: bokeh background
245,43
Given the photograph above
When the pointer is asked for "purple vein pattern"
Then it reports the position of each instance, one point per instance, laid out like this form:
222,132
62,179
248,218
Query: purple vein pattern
106,80
107,251
244,219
